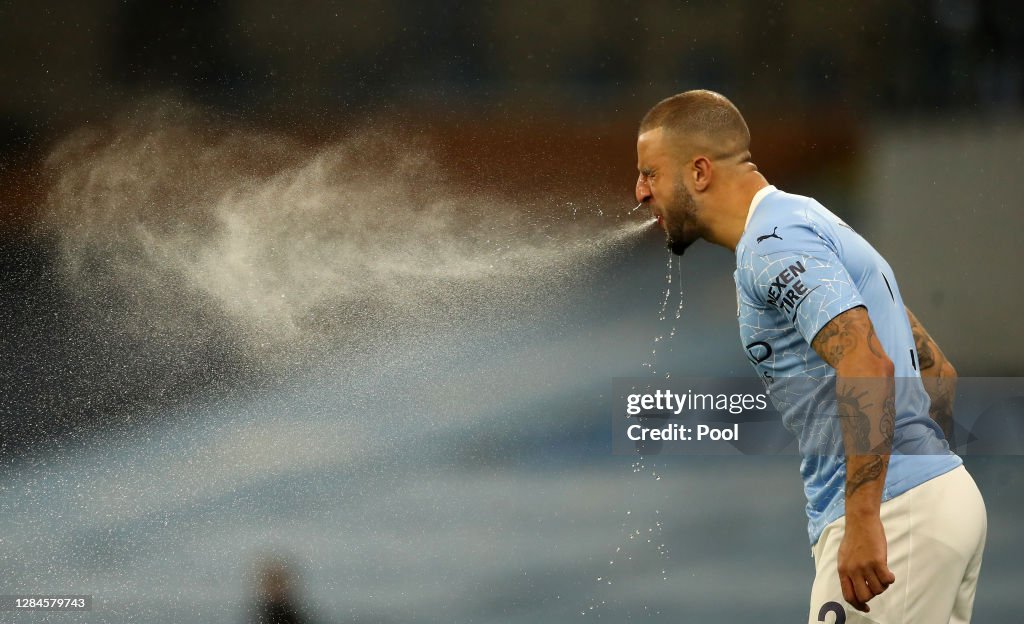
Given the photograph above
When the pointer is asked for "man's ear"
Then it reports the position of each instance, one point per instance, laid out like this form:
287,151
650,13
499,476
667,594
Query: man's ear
701,173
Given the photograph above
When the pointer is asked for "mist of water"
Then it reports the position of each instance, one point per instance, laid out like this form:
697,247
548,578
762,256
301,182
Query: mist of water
196,224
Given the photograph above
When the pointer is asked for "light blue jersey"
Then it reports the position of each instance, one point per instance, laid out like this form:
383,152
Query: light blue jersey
798,266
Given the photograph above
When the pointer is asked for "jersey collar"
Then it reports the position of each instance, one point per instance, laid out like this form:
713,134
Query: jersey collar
757,200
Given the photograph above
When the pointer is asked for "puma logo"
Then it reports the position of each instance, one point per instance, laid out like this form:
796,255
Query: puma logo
767,236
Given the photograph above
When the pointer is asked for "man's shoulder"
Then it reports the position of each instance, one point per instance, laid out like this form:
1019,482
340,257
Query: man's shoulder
785,222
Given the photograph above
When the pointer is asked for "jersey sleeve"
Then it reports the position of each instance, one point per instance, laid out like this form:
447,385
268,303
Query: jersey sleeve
806,283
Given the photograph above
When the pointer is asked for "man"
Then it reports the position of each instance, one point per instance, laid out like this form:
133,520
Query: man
823,323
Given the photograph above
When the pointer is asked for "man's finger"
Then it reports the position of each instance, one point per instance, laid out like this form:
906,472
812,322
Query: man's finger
849,595
876,586
860,588
885,575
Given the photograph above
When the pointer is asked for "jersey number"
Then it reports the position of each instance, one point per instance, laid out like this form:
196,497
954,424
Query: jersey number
834,608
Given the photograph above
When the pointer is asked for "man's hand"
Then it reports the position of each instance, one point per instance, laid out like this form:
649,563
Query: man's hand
863,564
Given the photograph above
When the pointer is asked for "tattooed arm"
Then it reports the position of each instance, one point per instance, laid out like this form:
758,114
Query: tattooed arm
867,413
938,375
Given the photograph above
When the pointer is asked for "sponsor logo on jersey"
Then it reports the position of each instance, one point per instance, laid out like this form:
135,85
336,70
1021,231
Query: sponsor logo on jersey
787,290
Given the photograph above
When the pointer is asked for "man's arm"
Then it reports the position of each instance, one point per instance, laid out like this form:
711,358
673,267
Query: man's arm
938,375
865,396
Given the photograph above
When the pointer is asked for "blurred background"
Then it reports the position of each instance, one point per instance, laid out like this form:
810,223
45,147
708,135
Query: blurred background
315,308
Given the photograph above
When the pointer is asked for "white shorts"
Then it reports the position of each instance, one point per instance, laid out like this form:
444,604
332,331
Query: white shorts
935,534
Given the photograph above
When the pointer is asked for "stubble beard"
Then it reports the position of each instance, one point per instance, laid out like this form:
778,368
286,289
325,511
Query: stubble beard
681,230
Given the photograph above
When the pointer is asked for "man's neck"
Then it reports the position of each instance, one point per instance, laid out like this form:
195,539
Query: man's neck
732,219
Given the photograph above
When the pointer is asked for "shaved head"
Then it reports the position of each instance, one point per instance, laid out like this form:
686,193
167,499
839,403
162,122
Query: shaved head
702,122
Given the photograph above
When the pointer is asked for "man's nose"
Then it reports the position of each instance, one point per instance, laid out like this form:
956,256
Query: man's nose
643,189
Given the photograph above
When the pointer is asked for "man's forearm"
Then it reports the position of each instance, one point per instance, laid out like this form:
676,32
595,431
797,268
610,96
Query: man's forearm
941,389
866,410
937,375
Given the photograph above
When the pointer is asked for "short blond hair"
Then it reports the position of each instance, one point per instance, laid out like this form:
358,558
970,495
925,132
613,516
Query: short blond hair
702,118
